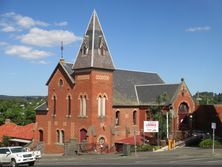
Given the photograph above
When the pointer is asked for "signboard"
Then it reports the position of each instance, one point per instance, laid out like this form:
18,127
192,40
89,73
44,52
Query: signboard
213,125
151,126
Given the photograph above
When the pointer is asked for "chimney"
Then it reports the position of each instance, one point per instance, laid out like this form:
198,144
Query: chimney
7,121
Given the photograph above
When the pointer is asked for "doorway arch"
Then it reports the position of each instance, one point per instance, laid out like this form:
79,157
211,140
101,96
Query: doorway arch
183,111
83,135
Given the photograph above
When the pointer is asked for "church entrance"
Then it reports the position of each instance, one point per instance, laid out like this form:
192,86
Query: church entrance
83,135
182,113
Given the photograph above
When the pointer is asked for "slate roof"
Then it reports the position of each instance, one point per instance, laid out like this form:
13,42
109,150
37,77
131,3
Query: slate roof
147,94
93,40
42,108
67,67
124,82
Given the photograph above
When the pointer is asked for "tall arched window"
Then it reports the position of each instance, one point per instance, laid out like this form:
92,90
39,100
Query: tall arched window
101,106
57,136
83,105
134,117
62,136
41,135
54,105
117,118
69,105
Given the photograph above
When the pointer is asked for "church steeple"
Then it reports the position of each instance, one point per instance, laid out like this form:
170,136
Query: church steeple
94,51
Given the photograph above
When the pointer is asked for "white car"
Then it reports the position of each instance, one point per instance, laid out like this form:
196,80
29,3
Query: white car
16,156
37,153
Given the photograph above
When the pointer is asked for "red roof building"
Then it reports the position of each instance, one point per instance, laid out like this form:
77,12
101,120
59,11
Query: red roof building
17,133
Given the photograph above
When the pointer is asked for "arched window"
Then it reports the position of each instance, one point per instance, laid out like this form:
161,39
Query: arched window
84,49
60,83
102,48
183,111
101,106
117,118
183,108
57,136
83,105
134,117
69,105
54,105
41,135
62,136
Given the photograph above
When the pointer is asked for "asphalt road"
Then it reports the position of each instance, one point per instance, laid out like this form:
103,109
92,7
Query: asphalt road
181,156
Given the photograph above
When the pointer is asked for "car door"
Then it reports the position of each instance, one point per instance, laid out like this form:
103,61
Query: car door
4,156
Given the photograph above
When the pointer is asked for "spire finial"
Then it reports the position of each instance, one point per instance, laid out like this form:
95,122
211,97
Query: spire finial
62,59
62,49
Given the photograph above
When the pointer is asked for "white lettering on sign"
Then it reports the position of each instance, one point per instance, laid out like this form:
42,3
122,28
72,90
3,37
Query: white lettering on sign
151,126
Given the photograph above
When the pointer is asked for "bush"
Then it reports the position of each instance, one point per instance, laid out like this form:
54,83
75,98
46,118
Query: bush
144,147
207,143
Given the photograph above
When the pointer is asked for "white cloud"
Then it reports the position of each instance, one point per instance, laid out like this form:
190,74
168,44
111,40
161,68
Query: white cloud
196,29
43,62
40,62
26,22
2,43
9,29
48,38
26,52
64,23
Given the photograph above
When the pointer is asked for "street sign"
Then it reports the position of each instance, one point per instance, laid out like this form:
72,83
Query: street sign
151,126
213,125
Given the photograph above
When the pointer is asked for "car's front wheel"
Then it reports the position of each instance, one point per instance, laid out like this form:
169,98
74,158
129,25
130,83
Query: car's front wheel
13,163
31,163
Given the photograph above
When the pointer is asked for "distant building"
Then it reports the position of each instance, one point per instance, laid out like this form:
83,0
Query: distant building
92,101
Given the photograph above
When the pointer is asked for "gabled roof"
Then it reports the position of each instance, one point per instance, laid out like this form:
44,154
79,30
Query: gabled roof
148,94
67,68
42,107
124,82
16,131
90,54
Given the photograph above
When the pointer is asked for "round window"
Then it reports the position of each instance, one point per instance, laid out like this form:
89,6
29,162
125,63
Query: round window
101,140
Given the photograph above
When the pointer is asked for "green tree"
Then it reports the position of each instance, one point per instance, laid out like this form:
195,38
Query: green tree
159,115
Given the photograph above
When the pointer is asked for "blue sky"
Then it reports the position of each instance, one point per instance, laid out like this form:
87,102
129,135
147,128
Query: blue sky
176,39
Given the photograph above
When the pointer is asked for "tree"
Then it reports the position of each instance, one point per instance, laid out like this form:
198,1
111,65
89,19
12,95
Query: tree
19,110
158,114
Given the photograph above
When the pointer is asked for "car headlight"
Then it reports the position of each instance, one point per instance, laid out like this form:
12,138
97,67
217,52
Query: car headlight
18,155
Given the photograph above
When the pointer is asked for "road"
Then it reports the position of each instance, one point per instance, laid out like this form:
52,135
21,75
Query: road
181,156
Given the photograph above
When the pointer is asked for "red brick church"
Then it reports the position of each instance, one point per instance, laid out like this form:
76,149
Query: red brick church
90,100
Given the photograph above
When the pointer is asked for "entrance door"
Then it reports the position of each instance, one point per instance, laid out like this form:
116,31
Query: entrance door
182,113
83,135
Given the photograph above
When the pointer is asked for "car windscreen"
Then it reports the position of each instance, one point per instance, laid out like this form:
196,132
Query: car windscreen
17,150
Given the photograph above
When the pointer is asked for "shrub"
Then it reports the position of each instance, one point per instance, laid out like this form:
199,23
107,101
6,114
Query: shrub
207,143
145,147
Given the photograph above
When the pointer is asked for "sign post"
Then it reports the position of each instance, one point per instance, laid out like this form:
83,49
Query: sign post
167,124
213,126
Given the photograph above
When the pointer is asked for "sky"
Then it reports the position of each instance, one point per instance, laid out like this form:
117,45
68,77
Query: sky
176,39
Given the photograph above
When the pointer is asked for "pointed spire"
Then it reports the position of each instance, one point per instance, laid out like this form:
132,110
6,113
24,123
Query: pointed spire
94,51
